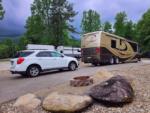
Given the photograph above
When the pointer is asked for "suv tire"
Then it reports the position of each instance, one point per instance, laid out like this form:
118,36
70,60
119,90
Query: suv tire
33,71
72,66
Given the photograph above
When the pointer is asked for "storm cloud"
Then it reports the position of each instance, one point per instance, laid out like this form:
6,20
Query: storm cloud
17,11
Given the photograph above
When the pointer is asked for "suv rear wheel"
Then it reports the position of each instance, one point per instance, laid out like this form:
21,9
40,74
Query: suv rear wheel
33,71
72,66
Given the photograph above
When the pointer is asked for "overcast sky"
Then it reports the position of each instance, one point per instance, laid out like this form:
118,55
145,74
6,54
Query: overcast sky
17,11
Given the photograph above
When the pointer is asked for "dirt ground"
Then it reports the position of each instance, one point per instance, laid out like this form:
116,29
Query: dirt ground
138,75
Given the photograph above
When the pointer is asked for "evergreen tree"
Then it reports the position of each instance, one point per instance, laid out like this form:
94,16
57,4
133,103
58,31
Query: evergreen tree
1,10
107,27
120,24
90,21
23,41
130,30
62,14
143,31
50,21
35,29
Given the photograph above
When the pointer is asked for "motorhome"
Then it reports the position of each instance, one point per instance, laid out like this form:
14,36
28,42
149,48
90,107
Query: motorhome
102,47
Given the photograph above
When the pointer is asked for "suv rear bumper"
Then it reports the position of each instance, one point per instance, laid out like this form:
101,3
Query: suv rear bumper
91,59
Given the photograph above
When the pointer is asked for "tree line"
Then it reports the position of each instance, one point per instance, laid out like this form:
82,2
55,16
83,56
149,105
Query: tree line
51,23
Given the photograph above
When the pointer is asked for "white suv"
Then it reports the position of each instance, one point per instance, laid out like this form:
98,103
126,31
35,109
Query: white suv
33,62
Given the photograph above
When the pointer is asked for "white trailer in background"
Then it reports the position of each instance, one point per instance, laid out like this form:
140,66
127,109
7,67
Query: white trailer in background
68,51
39,47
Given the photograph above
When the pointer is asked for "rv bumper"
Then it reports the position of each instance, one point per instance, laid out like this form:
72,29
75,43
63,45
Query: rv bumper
91,60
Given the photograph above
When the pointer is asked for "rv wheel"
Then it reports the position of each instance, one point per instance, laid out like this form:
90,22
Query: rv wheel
111,61
94,64
117,60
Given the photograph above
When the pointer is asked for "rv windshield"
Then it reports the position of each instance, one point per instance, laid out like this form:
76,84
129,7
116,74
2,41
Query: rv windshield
91,40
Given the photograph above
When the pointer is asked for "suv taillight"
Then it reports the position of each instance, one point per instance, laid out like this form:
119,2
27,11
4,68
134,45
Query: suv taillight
20,60
97,50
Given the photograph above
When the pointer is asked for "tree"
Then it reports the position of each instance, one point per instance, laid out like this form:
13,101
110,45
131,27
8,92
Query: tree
23,41
90,21
52,19
4,53
143,31
11,46
107,27
35,29
7,48
37,25
1,10
62,15
130,28
119,26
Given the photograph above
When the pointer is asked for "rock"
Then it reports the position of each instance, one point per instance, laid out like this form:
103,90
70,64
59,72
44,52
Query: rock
115,90
102,75
66,102
28,102
81,81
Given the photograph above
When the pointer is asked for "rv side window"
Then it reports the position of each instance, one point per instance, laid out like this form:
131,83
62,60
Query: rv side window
113,43
120,42
134,46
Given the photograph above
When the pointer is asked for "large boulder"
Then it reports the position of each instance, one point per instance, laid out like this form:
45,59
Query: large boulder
66,102
101,75
27,102
115,90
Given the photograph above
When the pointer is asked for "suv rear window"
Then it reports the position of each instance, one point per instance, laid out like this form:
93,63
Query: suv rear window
23,54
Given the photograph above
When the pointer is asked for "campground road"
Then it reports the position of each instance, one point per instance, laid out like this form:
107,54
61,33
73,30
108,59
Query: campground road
12,86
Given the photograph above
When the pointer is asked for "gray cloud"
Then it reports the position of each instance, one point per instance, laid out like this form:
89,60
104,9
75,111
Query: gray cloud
16,14
108,9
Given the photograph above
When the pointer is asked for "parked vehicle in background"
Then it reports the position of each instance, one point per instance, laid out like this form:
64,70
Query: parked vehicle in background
39,47
68,51
33,62
101,47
